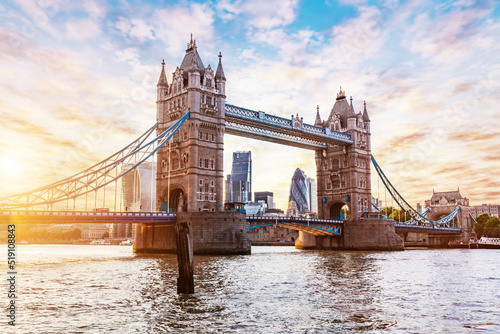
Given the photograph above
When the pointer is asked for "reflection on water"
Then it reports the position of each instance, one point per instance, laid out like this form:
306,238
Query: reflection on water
101,289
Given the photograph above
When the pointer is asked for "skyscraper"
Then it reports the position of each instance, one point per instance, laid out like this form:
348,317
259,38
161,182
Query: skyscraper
266,197
138,188
239,183
303,192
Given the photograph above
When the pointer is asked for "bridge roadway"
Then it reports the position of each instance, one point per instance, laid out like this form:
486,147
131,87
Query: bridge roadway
318,227
88,217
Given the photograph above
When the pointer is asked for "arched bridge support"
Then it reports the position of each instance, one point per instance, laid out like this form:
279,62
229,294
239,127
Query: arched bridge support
356,235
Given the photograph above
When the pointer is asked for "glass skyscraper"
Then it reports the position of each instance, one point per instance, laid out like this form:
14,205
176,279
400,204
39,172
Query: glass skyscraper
138,187
303,192
239,183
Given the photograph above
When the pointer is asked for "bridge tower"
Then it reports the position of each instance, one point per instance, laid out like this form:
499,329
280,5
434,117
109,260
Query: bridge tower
343,179
443,203
189,177
343,171
190,169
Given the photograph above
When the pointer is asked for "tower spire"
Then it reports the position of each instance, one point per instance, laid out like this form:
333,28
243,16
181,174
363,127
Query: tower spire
219,74
162,81
366,118
318,121
351,109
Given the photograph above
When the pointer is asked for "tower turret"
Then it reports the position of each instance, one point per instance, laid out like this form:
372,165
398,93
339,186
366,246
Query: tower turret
220,79
318,121
162,86
161,93
351,117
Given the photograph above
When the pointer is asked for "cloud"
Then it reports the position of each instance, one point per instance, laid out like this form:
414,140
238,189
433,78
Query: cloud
449,37
82,29
260,14
265,14
170,26
136,28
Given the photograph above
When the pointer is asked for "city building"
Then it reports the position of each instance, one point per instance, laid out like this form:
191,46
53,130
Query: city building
255,208
490,209
303,192
138,190
266,197
419,208
293,210
229,190
239,182
313,203
96,231
377,202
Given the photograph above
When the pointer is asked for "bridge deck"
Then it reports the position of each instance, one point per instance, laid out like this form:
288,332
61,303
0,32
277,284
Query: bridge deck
259,125
317,227
65,217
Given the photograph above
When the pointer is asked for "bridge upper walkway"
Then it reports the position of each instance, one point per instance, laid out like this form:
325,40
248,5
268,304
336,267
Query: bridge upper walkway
259,125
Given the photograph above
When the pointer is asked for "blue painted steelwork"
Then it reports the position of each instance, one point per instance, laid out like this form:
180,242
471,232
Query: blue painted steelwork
98,175
427,228
408,222
257,124
317,227
416,217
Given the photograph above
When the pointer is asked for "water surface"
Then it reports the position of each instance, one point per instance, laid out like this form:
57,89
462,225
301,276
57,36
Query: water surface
108,289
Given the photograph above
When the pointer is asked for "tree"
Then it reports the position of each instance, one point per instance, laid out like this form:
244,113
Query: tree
479,226
491,224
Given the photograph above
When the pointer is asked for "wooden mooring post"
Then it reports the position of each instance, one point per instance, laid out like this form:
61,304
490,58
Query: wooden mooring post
185,281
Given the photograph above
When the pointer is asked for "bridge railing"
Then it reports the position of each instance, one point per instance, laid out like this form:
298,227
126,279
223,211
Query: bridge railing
259,116
86,213
299,219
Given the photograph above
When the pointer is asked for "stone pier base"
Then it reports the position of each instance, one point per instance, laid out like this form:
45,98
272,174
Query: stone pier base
431,240
356,235
214,233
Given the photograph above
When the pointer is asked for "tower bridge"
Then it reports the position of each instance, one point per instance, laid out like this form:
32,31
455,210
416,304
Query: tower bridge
192,119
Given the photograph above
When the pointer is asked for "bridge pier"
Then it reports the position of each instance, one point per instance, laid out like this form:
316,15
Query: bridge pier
434,240
356,235
214,233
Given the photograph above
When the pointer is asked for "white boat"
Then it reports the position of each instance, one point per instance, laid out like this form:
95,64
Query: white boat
126,243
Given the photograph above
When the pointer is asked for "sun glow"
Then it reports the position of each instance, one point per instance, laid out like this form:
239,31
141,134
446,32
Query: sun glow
9,166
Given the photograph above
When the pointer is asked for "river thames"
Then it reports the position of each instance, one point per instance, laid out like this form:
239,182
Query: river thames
108,289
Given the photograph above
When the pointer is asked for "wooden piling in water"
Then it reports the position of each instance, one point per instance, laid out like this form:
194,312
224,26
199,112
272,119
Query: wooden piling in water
185,281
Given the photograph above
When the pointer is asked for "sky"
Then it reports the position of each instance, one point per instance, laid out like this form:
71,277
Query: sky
78,83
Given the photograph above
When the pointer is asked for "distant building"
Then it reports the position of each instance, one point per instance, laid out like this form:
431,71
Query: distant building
313,203
255,208
490,209
229,189
239,182
419,208
95,231
303,192
266,197
446,198
138,188
293,210
377,202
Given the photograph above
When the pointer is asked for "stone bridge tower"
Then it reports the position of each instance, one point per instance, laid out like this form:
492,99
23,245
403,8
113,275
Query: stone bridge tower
190,169
444,203
189,177
343,179
343,171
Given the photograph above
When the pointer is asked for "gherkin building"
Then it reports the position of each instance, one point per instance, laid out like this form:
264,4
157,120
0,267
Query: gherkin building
299,191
